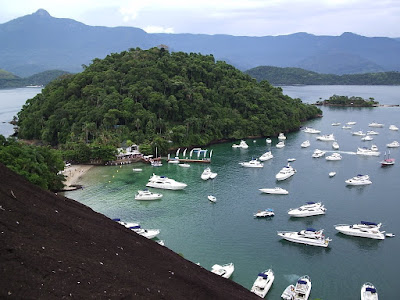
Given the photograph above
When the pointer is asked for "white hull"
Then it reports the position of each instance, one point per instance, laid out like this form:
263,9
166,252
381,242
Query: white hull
212,198
346,229
368,292
149,197
165,183
224,271
294,237
266,156
277,191
305,144
263,283
147,233
281,177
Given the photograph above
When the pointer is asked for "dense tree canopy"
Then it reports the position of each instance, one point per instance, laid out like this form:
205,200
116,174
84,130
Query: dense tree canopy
40,165
159,98
337,100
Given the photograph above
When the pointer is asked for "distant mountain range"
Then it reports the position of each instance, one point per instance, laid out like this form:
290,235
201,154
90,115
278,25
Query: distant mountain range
288,76
9,80
40,42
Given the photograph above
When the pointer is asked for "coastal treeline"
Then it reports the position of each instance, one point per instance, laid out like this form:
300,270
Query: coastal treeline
352,101
288,76
158,98
9,80
40,165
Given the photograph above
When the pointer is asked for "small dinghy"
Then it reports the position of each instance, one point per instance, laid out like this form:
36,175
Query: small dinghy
137,170
390,234
212,198
331,174
291,159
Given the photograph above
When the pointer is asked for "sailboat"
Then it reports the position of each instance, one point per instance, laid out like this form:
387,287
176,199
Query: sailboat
157,161
387,161
211,197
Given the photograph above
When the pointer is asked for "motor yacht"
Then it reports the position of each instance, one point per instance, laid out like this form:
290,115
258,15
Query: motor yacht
318,153
326,137
336,124
375,124
334,156
224,270
305,144
266,156
393,127
373,151
309,236
281,144
301,291
358,133
242,145
331,174
346,127
275,190
368,292
206,174
335,145
281,137
351,123
367,138
174,160
371,132
129,225
363,229
147,195
268,140
263,283
359,180
254,163
308,210
147,233
163,182
311,130
285,172
269,212
212,198
394,144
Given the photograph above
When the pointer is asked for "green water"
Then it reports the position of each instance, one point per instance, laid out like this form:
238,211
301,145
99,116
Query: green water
226,231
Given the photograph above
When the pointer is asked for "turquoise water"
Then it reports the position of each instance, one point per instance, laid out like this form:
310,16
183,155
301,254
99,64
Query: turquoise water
226,231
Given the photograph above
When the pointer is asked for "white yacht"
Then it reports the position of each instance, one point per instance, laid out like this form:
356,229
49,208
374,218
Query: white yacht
148,233
302,288
326,137
281,144
173,160
276,190
184,165
269,212
129,225
346,127
334,156
309,236
367,138
387,160
375,124
335,145
359,180
358,133
162,182
224,270
394,144
318,153
206,174
147,195
363,229
305,144
308,210
373,151
371,132
212,198
266,156
242,145
281,136
336,124
368,292
285,172
268,140
393,127
351,123
311,130
331,174
254,163
263,283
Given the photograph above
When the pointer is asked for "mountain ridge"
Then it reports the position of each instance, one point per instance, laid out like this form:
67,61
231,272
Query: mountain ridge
39,42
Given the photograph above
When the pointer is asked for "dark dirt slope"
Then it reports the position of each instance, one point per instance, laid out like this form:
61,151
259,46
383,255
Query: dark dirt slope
52,247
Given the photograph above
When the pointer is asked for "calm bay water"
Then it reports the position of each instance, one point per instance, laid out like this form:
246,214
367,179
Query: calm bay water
227,232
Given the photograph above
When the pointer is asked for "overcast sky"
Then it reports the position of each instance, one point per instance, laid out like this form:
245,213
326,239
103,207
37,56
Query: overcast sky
234,17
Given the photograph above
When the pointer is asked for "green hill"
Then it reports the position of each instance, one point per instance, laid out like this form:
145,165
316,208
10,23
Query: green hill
9,80
287,76
159,98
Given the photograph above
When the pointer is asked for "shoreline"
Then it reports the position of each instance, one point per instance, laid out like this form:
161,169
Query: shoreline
73,174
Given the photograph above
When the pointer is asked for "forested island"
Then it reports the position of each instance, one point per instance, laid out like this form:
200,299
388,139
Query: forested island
9,80
292,76
157,99
352,101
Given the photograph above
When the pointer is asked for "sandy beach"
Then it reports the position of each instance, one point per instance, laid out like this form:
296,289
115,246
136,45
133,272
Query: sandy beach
73,174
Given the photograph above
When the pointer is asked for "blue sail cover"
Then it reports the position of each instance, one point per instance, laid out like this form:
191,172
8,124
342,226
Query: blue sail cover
368,223
302,282
310,202
117,219
311,229
134,227
370,289
265,276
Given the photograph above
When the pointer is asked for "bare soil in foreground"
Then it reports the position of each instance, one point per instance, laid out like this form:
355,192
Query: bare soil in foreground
52,247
